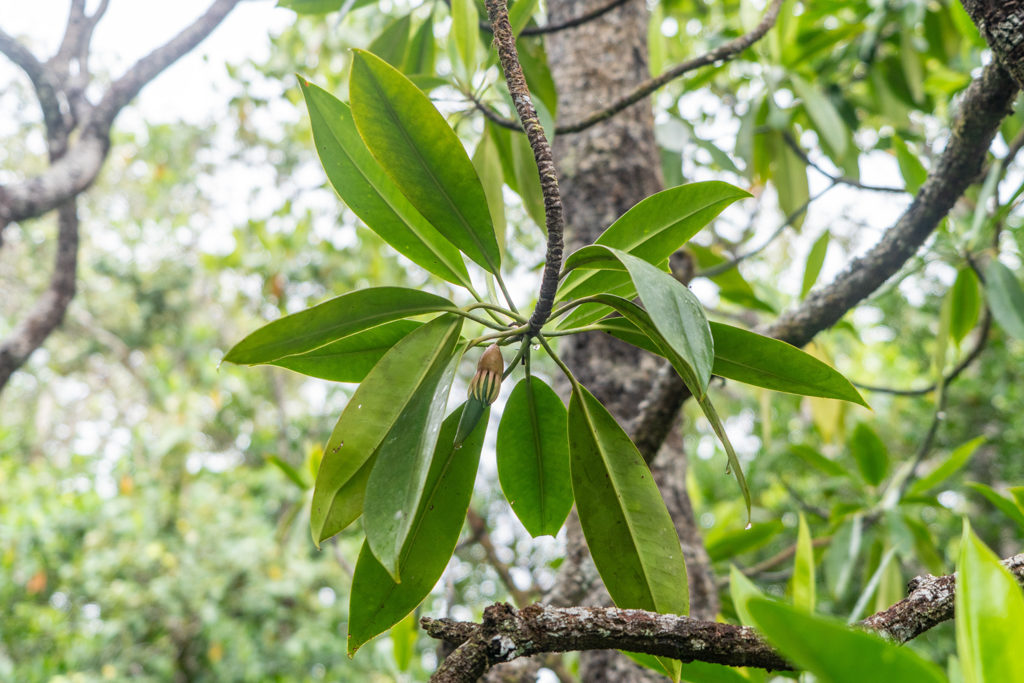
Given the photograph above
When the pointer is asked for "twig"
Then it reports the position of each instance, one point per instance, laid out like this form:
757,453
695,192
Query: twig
722,53
555,27
983,106
965,362
786,222
505,43
788,138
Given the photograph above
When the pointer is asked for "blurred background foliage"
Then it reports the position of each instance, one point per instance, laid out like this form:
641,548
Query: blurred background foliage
154,505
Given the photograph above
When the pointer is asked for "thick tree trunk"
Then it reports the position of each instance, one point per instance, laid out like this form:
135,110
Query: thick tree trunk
604,171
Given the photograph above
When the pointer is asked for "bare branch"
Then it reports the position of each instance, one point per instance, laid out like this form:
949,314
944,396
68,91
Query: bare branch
1001,25
44,81
49,309
722,53
929,603
506,634
788,138
125,88
984,105
505,43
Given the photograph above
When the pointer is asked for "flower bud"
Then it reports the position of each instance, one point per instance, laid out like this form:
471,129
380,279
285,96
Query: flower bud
486,383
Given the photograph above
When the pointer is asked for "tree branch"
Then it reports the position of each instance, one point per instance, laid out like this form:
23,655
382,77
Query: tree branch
505,43
722,53
125,88
49,309
555,27
506,633
984,105
1002,26
788,138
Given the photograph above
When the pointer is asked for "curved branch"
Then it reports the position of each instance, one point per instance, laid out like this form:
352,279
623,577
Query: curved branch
505,43
984,105
506,633
125,88
555,27
788,138
49,309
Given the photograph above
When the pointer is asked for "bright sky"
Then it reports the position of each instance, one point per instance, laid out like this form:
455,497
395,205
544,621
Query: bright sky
130,29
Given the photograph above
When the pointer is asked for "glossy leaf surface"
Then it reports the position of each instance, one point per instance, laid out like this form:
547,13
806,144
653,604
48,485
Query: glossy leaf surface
377,602
673,309
533,457
421,153
628,529
369,417
835,652
752,358
653,229
371,194
332,320
989,609
350,358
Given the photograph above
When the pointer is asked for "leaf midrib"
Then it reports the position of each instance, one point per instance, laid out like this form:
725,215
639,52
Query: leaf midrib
393,115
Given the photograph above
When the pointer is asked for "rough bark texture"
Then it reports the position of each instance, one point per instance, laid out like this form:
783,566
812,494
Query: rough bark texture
1001,23
505,633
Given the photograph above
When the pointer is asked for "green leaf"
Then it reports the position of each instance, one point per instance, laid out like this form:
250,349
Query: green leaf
789,175
332,320
765,362
466,33
966,303
803,583
293,474
628,529
815,459
371,194
1005,298
826,119
653,230
419,59
422,154
870,453
487,163
841,558
403,641
393,41
834,652
368,419
533,457
376,601
1008,507
640,318
914,172
815,260
742,590
989,609
957,459
350,358
673,309
399,475
528,179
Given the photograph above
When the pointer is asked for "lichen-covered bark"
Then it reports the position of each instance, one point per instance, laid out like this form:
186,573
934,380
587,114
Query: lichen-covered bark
1001,23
